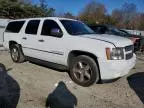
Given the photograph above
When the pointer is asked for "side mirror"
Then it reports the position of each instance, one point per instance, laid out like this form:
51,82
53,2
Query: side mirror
56,32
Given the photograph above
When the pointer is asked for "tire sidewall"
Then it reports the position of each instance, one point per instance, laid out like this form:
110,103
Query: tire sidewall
94,68
17,49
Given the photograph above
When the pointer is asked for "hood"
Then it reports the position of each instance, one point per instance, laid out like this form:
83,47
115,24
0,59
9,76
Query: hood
115,40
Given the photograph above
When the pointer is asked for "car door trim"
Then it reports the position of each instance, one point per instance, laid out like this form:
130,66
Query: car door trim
52,52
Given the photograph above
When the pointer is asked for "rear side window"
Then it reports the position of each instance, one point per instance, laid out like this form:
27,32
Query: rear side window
14,27
32,27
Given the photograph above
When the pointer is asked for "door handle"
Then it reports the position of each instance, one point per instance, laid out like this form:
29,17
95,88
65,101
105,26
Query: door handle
24,38
41,40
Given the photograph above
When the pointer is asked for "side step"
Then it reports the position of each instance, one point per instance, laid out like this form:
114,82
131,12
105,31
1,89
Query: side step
47,64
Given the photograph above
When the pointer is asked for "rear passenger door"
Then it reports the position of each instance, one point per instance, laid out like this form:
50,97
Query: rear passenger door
29,39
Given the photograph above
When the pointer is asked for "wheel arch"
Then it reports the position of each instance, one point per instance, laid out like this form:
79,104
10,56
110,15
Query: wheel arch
75,53
13,42
20,57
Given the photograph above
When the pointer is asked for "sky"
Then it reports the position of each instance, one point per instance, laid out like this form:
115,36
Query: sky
76,6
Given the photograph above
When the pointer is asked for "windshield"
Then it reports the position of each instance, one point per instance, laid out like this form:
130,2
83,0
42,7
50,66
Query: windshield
119,32
125,32
76,27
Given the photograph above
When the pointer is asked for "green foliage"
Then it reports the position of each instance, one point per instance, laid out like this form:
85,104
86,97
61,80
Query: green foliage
14,10
43,4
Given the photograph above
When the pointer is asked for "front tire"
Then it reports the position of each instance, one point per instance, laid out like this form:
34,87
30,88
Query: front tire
84,70
16,53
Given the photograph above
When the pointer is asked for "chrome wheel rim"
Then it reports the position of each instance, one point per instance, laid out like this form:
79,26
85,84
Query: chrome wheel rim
82,71
14,54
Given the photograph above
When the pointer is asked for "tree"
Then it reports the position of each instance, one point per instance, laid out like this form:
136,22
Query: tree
93,13
21,1
141,26
14,10
69,15
25,1
117,15
129,12
51,12
43,4
44,7
125,15
13,0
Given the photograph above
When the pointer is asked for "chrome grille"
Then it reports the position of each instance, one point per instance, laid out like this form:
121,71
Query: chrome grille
129,50
129,56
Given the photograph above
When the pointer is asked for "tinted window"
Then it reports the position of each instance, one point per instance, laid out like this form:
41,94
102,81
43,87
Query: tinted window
94,28
48,25
125,33
116,31
15,26
32,27
99,29
102,30
76,27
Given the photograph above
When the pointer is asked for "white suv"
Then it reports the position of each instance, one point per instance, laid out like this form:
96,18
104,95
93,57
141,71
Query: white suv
61,42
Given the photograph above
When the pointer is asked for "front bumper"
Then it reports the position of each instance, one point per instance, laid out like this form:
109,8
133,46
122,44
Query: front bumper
112,69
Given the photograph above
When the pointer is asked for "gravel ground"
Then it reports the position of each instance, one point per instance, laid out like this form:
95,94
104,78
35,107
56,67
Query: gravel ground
37,82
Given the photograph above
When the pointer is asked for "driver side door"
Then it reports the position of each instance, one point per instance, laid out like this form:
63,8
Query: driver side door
50,46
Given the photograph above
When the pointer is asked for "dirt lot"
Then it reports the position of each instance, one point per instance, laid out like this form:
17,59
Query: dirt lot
37,82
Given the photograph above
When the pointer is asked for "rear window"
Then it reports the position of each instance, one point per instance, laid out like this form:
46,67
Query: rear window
14,27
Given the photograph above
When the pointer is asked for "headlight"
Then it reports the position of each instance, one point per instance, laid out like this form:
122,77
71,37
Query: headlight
115,53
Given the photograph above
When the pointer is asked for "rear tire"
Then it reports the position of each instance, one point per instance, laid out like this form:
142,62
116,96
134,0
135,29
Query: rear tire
16,53
84,71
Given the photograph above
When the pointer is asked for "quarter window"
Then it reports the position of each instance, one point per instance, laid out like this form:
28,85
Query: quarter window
14,27
32,27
